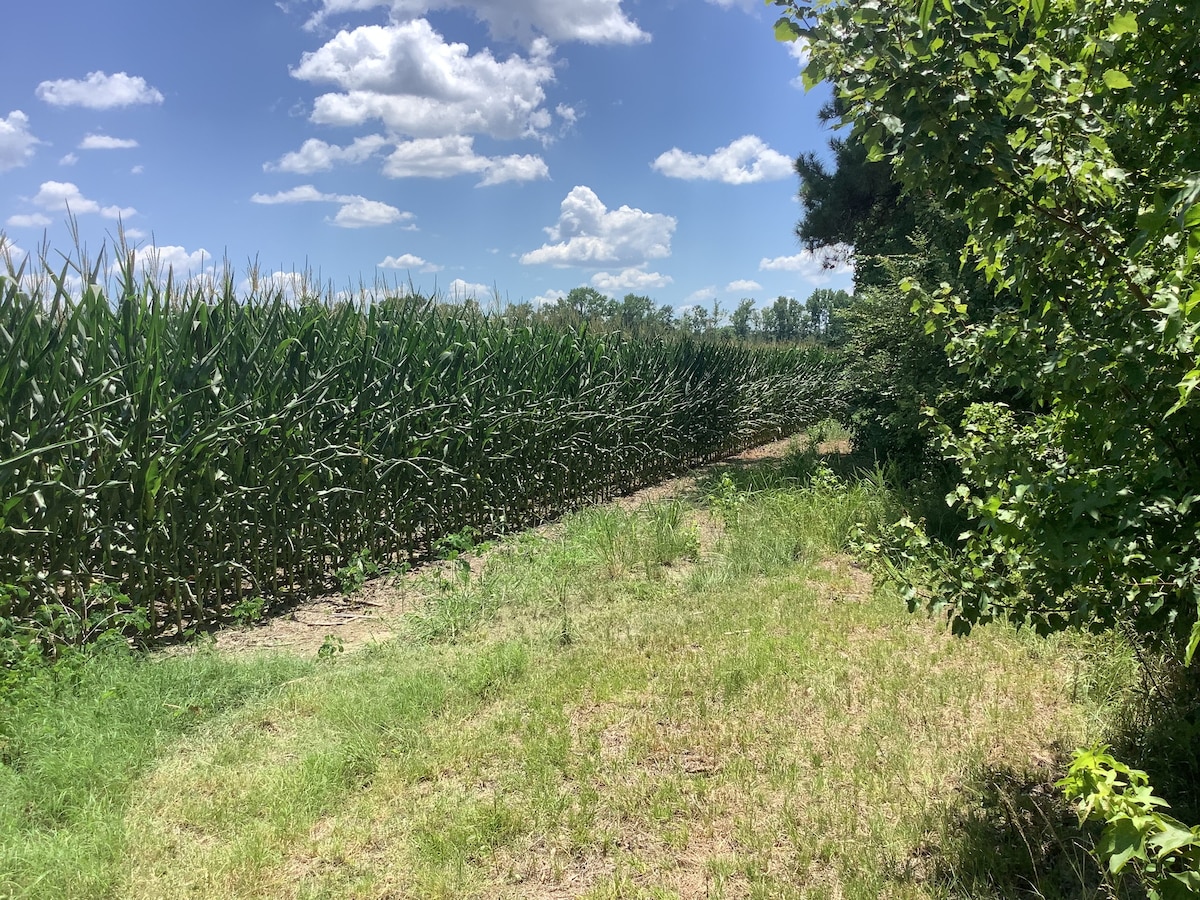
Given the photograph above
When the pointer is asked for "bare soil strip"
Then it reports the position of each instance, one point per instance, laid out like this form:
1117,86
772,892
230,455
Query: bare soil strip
374,613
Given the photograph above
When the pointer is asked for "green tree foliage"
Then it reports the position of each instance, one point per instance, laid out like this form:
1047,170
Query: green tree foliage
590,304
893,368
783,319
745,318
1069,136
856,207
822,320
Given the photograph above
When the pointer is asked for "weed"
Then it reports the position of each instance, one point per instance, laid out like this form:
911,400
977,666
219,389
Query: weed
330,647
352,576
614,533
452,611
668,537
727,498
247,611
453,546
565,636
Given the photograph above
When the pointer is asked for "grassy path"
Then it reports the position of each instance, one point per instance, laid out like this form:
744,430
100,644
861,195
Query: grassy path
658,701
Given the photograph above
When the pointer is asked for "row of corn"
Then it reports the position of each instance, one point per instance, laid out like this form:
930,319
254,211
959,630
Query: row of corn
170,450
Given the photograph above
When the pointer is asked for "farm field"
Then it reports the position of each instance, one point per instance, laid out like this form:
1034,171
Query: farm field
694,693
309,591
177,456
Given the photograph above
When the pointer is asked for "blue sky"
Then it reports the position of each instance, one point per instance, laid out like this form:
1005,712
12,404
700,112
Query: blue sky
521,146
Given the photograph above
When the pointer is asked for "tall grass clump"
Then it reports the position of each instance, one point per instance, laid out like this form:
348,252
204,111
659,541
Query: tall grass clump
170,449
804,507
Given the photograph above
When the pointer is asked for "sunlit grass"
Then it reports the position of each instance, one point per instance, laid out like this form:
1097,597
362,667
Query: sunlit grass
668,701
74,749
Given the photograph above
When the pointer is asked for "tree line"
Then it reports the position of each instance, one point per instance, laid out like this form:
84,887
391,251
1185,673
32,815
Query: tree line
786,320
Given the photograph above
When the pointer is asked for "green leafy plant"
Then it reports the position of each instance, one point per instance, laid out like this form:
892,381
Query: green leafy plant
454,545
1136,831
1045,124
1068,137
726,497
352,576
330,647
249,610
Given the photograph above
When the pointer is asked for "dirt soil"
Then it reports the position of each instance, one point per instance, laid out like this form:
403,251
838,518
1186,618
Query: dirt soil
374,614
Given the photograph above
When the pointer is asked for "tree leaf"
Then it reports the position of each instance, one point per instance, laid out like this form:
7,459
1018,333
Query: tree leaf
1124,23
925,12
1172,837
786,30
1179,886
1116,79
1121,842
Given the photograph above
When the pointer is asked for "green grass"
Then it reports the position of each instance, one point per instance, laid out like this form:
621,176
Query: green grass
672,701
74,747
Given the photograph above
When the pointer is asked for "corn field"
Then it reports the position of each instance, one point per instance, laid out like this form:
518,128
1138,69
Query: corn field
168,450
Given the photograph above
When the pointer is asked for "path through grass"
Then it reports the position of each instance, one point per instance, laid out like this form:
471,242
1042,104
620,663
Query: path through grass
673,701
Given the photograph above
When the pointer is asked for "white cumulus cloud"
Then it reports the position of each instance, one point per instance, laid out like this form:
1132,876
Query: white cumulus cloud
354,210
104,142
514,168
410,78
459,290
590,21
549,298
632,279
69,160
30,220
814,267
359,212
305,193
61,196
434,158
744,161
455,154
705,294
317,156
590,234
99,91
16,140
743,284
408,261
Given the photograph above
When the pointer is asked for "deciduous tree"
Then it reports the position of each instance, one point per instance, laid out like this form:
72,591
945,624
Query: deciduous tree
1069,136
